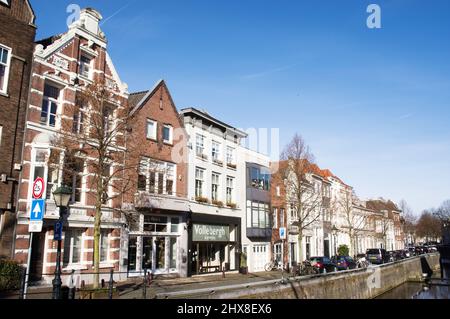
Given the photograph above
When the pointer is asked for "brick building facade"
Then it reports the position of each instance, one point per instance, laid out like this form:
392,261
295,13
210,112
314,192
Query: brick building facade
64,65
16,49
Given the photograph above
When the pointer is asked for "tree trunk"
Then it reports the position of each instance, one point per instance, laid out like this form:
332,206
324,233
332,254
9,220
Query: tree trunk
97,223
300,246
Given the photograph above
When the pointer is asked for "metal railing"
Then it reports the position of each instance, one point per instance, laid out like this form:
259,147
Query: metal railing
71,291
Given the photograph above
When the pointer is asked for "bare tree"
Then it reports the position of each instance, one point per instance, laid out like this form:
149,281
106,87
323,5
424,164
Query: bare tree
410,219
429,226
93,144
354,221
305,200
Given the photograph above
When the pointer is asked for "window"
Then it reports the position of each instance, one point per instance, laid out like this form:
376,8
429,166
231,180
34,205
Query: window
275,218
52,181
72,246
108,119
215,186
73,177
152,182
278,191
5,60
174,225
199,180
281,217
258,215
215,151
170,175
200,145
155,224
39,164
104,245
293,211
142,176
78,120
152,129
168,134
260,178
85,66
230,155
49,105
160,183
230,187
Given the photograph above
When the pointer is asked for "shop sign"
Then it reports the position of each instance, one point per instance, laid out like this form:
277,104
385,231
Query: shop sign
212,233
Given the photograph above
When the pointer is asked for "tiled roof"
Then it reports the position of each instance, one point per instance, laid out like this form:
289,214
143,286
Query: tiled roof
135,98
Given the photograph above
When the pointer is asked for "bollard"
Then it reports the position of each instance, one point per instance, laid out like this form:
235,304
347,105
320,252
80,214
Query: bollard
23,283
111,282
72,287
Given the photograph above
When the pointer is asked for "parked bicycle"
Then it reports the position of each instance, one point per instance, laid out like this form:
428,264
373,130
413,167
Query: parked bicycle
306,268
273,266
362,263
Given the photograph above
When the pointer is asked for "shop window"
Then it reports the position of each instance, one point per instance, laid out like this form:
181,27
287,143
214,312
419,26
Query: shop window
158,225
173,253
174,225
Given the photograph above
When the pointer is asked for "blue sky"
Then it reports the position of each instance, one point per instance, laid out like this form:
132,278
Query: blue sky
373,104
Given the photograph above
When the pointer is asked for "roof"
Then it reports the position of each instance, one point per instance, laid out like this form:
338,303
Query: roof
206,116
135,98
381,205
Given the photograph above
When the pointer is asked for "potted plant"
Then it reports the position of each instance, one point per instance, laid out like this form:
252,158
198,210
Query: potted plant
217,203
202,200
243,269
231,205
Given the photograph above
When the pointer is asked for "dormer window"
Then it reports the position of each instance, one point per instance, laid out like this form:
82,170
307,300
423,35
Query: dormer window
85,66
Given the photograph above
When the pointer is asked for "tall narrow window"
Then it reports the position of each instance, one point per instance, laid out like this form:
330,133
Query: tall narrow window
230,187
281,217
5,60
200,145
215,152
49,105
168,134
104,245
78,120
170,175
199,180
160,183
230,156
72,246
142,176
215,187
275,218
152,182
152,128
85,66
73,177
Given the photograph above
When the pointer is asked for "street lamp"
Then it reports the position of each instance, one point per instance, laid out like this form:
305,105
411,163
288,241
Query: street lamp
62,197
335,231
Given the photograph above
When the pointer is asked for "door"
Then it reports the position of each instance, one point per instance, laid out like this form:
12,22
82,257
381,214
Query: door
147,257
326,247
37,256
132,254
160,253
259,257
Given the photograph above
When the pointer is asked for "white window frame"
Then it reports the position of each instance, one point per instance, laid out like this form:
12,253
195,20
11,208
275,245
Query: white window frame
215,151
49,101
199,145
215,177
202,193
108,245
230,185
275,218
83,64
230,155
152,135
170,140
71,263
4,89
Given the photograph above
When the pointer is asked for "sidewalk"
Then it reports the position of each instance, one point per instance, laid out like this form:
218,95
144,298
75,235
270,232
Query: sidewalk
133,289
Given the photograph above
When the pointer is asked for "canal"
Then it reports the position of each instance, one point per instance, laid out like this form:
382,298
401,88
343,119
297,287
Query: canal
416,290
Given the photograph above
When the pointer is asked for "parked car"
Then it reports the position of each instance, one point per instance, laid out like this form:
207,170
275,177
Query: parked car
407,253
344,262
324,264
412,251
392,256
418,250
400,254
377,256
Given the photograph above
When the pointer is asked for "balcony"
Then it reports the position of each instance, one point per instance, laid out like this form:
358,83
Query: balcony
145,200
259,232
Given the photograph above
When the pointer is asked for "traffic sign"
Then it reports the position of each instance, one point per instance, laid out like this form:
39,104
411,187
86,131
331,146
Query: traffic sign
38,188
35,226
58,231
37,210
282,233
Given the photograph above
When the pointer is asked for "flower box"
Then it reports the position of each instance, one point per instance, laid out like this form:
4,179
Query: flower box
202,200
217,203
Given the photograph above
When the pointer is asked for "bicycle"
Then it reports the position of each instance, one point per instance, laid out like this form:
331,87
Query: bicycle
272,266
305,269
362,263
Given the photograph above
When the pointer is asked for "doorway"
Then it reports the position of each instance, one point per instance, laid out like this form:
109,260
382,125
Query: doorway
37,256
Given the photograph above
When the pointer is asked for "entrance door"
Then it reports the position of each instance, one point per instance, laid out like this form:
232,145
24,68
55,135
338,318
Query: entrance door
147,257
37,256
326,247
160,253
293,254
259,257
132,254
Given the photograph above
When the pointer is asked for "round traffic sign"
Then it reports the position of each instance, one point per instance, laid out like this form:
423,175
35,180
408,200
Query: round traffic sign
38,188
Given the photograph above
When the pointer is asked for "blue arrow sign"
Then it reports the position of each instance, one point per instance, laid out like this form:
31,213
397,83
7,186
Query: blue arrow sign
37,210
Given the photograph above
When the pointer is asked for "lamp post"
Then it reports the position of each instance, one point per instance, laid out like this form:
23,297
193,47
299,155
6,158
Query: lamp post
62,197
335,230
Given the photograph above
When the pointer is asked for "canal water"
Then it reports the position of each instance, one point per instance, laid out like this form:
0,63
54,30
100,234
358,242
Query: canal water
415,290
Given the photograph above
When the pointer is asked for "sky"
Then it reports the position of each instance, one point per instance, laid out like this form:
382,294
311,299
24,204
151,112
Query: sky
373,104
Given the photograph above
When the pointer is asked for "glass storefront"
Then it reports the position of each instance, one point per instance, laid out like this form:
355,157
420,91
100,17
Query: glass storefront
155,247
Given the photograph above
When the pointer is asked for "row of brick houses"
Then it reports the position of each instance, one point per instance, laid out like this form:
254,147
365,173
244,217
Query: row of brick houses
198,198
